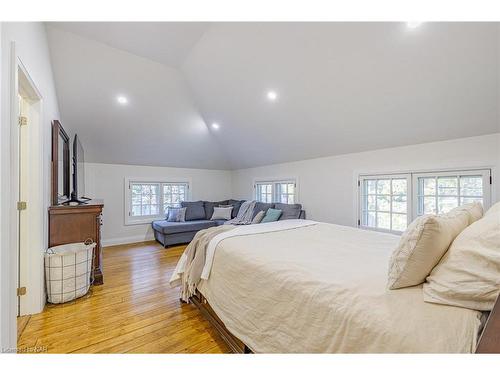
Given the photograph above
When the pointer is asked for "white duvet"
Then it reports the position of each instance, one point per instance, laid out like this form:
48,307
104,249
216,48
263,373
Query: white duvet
322,289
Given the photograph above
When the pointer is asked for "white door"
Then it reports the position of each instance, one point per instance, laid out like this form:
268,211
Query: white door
24,204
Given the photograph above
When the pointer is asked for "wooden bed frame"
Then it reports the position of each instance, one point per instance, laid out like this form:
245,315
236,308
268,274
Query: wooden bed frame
489,341
234,343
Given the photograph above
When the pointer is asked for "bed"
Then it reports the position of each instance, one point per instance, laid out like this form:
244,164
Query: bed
321,288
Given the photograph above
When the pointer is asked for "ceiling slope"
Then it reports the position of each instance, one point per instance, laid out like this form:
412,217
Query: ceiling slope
165,42
342,87
160,125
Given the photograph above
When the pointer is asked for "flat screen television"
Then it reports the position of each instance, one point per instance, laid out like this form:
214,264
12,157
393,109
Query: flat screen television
78,194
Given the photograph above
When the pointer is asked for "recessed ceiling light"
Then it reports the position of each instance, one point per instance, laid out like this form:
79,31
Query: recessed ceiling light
215,126
272,95
122,99
413,25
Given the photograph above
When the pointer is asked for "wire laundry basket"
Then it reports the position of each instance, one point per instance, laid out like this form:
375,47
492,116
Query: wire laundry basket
69,271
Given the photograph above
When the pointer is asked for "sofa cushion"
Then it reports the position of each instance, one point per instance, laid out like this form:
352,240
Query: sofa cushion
290,211
259,206
218,222
209,208
236,207
168,227
194,210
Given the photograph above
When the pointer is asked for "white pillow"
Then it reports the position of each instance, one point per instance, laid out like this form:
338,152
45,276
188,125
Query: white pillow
495,209
421,247
474,209
469,274
222,213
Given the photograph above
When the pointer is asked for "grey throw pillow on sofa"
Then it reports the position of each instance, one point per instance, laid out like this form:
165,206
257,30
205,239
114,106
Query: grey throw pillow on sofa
194,210
222,213
209,208
176,214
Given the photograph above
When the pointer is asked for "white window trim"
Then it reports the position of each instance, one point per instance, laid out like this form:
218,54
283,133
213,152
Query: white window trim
130,220
275,180
486,172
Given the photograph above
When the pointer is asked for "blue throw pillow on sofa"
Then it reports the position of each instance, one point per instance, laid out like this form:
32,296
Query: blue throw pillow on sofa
259,206
271,215
194,210
176,214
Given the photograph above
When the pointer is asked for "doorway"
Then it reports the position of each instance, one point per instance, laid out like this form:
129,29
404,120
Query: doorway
27,193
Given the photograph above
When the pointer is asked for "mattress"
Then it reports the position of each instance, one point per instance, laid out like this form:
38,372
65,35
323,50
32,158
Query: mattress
322,289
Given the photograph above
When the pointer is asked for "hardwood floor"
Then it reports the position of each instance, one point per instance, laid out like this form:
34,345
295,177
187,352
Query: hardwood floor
135,311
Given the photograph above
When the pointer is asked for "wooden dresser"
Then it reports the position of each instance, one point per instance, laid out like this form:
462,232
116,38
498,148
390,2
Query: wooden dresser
69,224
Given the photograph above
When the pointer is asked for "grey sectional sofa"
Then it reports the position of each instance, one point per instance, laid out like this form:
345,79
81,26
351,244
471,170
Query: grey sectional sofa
199,213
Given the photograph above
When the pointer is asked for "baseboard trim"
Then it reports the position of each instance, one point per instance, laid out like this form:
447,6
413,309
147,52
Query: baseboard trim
126,240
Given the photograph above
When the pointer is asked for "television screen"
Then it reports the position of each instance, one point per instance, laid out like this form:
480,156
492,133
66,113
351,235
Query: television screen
78,169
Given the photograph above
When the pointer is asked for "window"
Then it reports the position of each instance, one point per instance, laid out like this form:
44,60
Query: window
285,192
276,191
147,200
173,195
264,192
391,202
439,193
385,202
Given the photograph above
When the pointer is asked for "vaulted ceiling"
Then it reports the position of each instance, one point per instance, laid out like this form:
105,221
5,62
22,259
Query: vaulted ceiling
342,87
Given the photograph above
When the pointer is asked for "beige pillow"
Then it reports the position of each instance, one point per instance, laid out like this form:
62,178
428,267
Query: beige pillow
258,218
469,274
421,247
475,211
495,209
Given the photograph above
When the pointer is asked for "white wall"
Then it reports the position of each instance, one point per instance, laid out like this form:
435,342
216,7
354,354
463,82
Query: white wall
327,186
106,181
32,48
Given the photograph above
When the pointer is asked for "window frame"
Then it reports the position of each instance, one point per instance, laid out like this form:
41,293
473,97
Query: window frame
146,219
412,189
484,173
274,190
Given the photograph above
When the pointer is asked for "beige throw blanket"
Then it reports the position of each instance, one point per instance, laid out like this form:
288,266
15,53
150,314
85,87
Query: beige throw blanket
188,271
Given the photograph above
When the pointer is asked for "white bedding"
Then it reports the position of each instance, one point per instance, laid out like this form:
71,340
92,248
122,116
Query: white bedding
322,288
248,230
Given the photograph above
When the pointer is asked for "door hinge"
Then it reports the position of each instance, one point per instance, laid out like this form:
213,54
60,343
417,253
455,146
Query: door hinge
359,222
359,183
22,120
21,291
491,180
21,206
